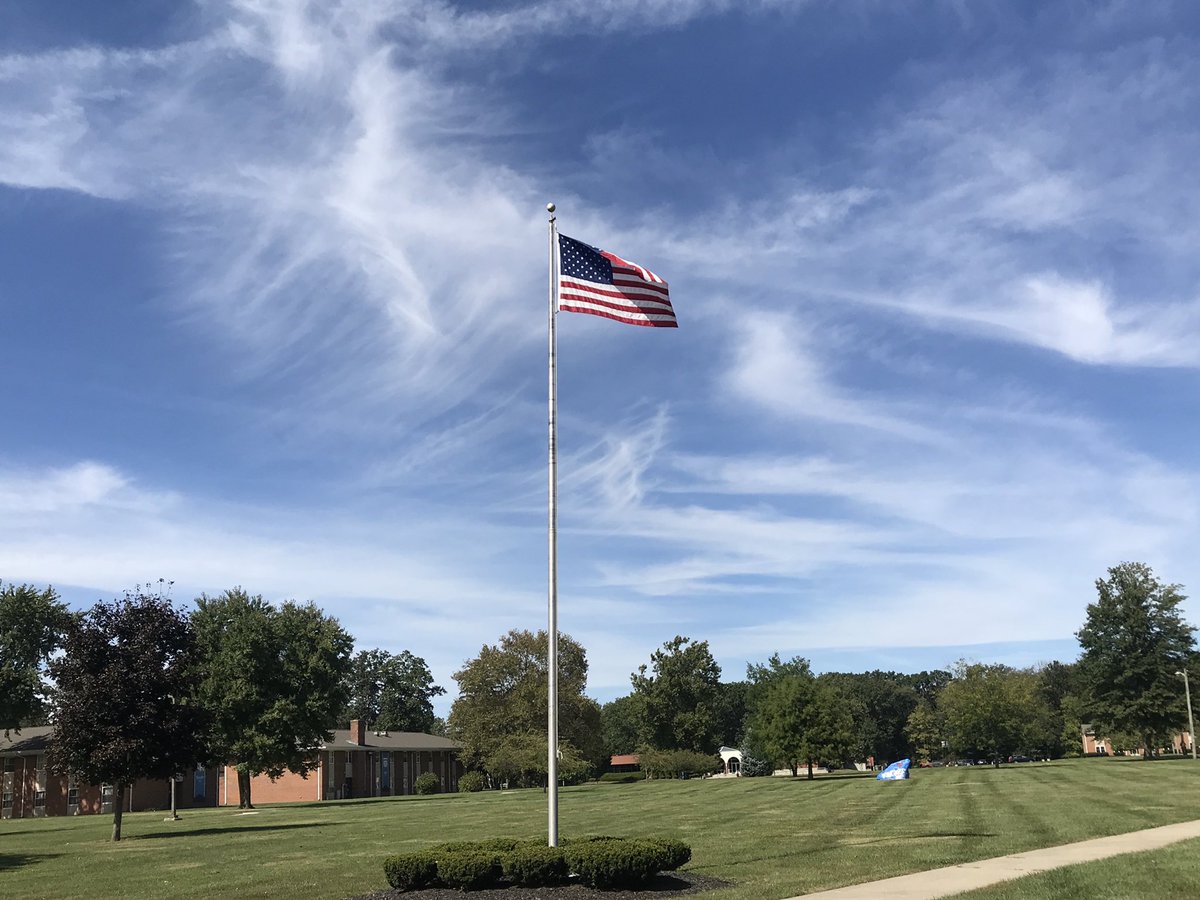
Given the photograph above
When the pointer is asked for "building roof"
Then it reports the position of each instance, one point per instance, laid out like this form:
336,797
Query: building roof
27,740
36,740
625,759
393,740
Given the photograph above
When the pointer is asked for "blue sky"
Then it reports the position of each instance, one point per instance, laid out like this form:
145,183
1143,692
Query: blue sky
272,278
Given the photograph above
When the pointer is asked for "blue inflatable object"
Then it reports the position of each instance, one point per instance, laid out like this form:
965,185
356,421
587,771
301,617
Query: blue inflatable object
897,771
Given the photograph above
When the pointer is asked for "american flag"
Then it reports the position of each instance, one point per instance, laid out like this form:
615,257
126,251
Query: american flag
600,283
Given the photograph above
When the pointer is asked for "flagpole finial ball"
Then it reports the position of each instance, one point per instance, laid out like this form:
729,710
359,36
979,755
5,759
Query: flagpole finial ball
550,207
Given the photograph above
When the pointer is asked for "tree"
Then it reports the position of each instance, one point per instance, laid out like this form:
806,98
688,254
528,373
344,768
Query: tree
523,758
990,710
619,726
780,694
827,728
125,686
393,692
1134,640
33,624
926,732
880,703
733,699
273,679
1058,687
678,697
503,694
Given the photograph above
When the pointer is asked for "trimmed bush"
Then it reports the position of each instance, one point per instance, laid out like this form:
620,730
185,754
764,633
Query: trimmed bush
601,862
410,871
471,783
427,783
674,853
469,871
535,865
612,864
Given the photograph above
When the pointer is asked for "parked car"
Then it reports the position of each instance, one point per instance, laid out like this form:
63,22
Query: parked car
1016,758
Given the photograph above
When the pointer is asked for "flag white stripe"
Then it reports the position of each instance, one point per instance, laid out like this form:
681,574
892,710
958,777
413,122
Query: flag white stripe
630,312
615,294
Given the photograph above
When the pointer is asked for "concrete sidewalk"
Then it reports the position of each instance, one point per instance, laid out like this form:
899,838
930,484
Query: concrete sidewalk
968,876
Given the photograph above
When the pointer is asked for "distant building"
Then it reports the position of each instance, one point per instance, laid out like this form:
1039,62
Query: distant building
353,764
625,762
731,759
1093,745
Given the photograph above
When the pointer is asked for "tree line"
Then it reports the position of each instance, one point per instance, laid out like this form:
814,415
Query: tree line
139,688
782,715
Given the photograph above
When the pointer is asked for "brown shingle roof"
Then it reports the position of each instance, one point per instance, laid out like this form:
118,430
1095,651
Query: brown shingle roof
27,740
394,740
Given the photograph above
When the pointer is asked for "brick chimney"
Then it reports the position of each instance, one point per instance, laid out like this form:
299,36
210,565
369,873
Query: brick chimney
358,732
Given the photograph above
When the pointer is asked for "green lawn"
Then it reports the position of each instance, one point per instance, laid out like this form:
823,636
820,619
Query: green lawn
771,837
1172,873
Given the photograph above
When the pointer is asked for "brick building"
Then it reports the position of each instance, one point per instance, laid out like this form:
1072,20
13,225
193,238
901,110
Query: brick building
1092,744
354,763
358,763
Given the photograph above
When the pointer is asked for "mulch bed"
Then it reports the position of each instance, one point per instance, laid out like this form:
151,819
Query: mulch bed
664,886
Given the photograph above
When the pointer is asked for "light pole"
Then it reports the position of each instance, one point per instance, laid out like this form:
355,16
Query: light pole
174,817
1187,693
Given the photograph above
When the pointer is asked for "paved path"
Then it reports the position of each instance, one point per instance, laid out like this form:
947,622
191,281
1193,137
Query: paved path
984,872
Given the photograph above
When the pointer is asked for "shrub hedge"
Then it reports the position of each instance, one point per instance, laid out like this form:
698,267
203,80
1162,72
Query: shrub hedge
602,862
427,783
469,871
471,783
411,871
610,864
535,865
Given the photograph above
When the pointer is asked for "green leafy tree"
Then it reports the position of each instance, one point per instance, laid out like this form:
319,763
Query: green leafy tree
674,763
880,703
1134,640
826,727
780,695
125,684
503,694
929,684
619,725
926,732
990,710
678,697
733,698
392,692
273,680
523,758
33,624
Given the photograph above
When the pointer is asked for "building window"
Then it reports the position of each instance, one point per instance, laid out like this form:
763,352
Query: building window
199,783
10,764
7,803
39,801
72,794
106,798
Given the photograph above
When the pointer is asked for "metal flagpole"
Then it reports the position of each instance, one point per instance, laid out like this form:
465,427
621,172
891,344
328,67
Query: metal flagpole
552,630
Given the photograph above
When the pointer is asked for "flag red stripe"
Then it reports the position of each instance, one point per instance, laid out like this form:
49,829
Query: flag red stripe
658,290
632,304
642,285
635,293
665,323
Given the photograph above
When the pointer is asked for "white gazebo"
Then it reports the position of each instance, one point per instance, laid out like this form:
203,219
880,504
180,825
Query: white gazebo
732,760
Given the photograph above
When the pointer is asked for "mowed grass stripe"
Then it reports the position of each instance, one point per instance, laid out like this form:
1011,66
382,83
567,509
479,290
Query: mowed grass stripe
772,837
1171,873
